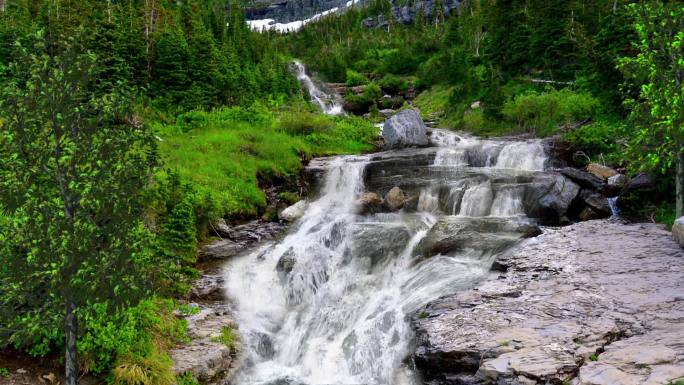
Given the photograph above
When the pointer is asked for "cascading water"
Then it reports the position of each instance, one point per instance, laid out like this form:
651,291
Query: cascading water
329,303
329,103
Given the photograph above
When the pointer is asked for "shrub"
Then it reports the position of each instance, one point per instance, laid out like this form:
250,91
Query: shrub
393,84
304,123
355,79
134,334
543,112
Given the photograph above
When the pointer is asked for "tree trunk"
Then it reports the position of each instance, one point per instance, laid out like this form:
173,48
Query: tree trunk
70,363
679,180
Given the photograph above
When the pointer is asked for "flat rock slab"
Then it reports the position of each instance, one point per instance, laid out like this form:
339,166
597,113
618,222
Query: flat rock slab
594,303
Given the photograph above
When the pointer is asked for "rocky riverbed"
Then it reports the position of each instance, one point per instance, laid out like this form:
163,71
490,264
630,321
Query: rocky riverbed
593,303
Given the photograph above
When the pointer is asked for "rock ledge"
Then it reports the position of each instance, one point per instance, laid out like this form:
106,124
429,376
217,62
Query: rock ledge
595,303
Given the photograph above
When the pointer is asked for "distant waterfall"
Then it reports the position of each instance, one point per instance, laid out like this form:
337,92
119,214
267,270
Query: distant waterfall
329,103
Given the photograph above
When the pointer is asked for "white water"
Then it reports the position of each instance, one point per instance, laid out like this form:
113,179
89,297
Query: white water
329,103
340,316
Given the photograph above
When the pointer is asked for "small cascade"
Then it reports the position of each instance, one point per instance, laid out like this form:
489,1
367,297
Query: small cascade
614,209
508,202
329,103
428,201
528,155
477,200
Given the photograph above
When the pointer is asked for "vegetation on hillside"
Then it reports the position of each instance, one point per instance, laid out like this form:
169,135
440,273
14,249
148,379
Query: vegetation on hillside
127,127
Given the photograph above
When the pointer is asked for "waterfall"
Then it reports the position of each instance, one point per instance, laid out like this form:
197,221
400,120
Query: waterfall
522,156
477,200
329,103
330,303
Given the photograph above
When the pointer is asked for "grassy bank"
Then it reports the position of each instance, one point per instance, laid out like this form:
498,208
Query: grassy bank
227,153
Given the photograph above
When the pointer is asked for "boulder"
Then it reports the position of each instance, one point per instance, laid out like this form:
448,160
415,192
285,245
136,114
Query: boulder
597,202
286,262
678,231
395,199
379,242
640,182
583,178
600,171
405,129
370,203
293,212
635,194
220,249
455,233
549,197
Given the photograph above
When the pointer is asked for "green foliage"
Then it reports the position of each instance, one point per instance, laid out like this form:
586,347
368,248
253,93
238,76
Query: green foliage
603,138
289,197
393,84
593,357
544,112
298,123
224,157
186,379
354,78
4,372
139,331
74,168
227,337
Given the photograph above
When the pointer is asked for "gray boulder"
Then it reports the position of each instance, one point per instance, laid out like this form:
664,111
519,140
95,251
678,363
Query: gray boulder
597,202
678,231
293,212
405,129
549,197
583,178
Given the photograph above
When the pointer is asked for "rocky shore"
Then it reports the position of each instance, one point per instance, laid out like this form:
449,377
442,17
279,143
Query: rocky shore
594,303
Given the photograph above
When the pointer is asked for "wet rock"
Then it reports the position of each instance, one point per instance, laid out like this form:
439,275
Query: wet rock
294,212
452,234
286,262
678,231
597,202
207,288
563,298
236,239
583,178
208,360
614,185
405,129
600,171
395,199
370,203
220,249
549,197
379,241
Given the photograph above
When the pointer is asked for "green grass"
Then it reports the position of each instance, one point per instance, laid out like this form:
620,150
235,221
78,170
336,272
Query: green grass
227,337
434,101
225,153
